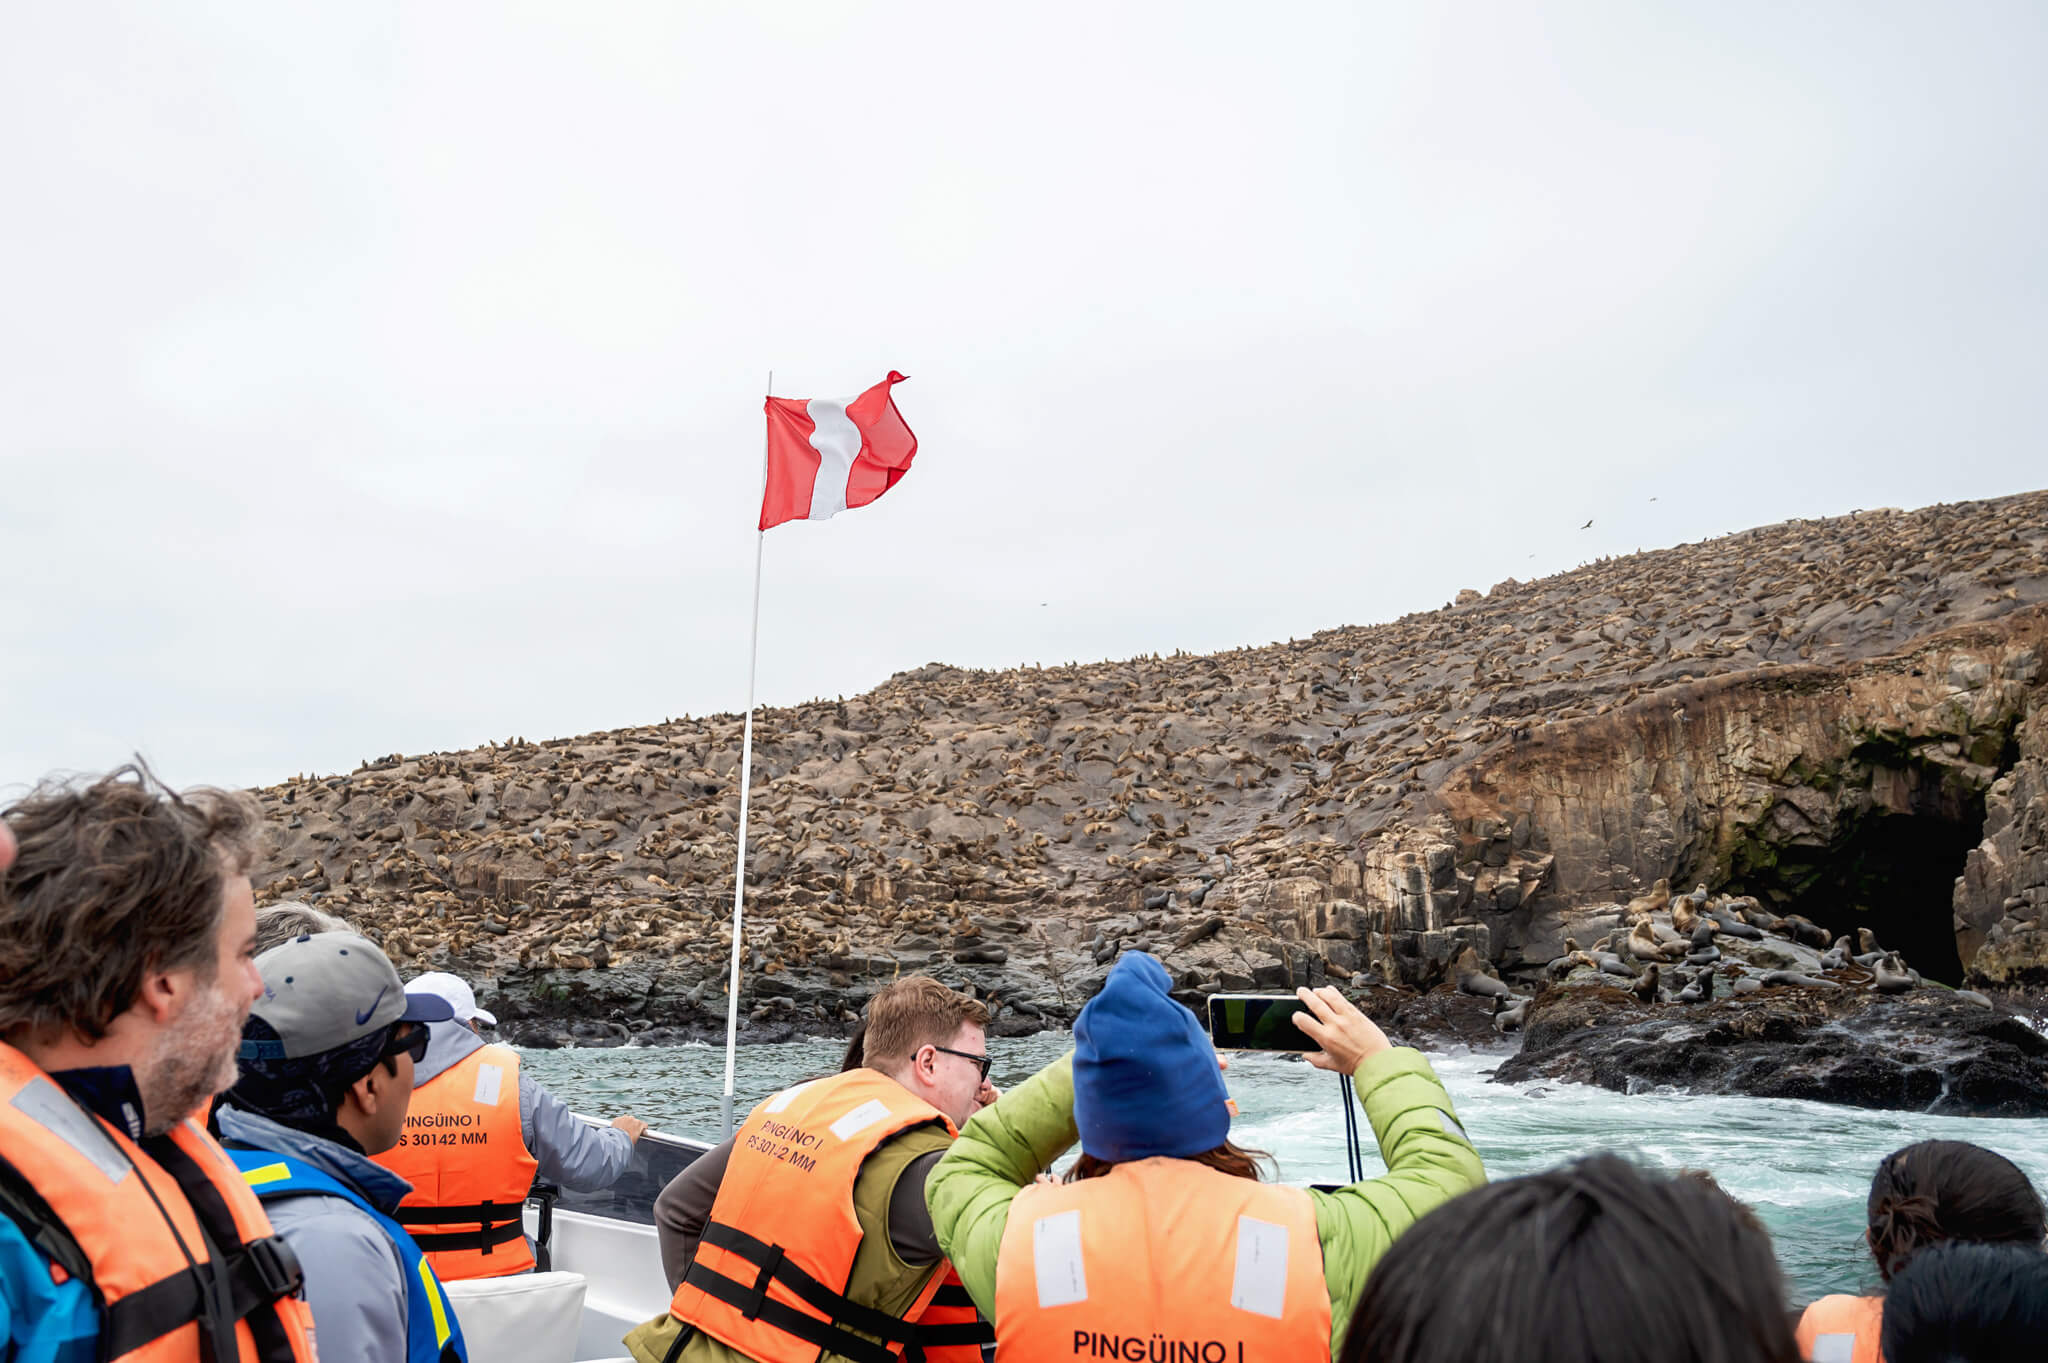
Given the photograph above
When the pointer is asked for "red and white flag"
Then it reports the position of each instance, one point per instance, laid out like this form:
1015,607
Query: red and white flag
826,455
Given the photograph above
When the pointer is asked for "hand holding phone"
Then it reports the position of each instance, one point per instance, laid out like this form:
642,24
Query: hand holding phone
1347,1038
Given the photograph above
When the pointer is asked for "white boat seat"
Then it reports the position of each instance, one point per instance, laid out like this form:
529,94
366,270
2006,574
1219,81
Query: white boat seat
531,1317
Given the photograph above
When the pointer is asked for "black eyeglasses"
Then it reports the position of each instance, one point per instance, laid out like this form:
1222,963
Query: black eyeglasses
414,1041
981,1062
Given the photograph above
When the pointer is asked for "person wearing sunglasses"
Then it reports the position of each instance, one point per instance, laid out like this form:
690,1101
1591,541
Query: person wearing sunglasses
815,1214
327,1062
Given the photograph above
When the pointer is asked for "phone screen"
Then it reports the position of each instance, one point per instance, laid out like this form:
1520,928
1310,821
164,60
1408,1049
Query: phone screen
1257,1022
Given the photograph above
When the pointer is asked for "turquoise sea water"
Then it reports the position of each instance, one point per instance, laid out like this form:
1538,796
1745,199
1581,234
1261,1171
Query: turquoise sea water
1804,1167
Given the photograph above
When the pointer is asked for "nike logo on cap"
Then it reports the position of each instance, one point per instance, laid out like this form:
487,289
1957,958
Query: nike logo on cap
364,1016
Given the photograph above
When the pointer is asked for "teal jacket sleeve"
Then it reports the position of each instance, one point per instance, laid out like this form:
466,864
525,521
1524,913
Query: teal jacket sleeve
1429,1161
1003,1148
42,1321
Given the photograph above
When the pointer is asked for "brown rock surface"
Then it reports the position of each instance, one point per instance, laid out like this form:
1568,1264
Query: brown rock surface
1370,798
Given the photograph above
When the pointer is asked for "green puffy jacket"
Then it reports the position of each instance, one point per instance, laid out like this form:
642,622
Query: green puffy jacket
1429,1162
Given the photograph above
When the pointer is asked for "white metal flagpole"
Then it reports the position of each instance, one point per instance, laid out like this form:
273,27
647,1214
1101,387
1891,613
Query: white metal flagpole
739,878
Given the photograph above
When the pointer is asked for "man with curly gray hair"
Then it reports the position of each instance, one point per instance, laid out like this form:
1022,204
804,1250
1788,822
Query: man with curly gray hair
127,928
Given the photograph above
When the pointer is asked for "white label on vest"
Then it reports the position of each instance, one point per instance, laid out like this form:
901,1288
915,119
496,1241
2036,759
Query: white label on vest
1260,1285
1056,1259
787,1096
488,1079
1834,1349
43,1102
860,1119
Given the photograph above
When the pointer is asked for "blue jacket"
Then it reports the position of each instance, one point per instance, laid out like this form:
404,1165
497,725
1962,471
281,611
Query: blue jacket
359,1281
433,1335
42,1321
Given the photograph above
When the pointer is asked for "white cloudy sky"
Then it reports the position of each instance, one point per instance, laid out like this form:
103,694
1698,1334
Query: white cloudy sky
383,377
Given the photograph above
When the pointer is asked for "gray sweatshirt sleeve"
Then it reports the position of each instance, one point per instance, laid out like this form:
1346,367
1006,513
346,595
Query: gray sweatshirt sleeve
355,1283
572,1153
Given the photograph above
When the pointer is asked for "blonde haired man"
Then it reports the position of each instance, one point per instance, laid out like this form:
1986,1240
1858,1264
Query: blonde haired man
807,1232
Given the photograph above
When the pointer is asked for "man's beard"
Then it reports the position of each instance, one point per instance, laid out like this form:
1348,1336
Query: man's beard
191,1061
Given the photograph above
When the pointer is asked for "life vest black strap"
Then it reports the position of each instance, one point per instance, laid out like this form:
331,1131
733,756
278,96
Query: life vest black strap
786,1318
258,1274
836,1305
489,1213
752,1300
484,1240
38,1221
953,1294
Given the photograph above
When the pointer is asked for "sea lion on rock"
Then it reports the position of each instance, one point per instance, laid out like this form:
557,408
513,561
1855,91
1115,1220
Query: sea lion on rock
1893,974
1866,942
1703,934
1806,932
1611,964
1475,978
1705,955
1972,996
1797,980
1685,916
1746,986
1658,897
1701,990
1560,966
1645,986
1510,1018
1757,915
1734,926
1642,941
1836,957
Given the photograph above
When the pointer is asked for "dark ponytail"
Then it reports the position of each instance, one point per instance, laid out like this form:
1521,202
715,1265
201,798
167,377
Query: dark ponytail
1933,1192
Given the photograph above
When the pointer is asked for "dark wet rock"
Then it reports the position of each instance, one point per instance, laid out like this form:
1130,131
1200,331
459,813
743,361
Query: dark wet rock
1924,1051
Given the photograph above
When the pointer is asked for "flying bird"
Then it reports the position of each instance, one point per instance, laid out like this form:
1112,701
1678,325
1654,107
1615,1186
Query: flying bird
1587,526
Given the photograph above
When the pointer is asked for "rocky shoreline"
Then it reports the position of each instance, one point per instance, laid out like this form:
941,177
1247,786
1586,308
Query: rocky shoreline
1841,720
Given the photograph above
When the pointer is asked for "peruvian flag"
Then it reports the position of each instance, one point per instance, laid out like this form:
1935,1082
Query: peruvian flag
828,454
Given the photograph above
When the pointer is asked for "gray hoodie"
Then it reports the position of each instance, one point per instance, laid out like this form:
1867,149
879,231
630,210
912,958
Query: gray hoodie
355,1281
572,1153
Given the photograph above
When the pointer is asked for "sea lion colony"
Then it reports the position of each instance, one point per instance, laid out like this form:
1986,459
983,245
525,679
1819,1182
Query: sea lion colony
1018,828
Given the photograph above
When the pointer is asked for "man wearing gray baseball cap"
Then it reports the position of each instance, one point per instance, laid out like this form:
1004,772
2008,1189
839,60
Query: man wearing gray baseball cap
327,1069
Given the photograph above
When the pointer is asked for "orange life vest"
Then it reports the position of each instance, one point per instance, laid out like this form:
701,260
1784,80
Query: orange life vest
1162,1259
180,1256
1842,1329
466,1158
771,1271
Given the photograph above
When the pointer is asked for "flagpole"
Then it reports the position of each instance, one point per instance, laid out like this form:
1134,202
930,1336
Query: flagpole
739,878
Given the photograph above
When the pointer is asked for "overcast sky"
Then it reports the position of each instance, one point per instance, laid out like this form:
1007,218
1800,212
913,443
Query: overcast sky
385,377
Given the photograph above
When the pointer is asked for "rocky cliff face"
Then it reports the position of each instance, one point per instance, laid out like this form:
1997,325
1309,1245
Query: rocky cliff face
1805,712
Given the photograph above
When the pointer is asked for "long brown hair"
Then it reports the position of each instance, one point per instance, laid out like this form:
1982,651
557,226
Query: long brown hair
1226,1158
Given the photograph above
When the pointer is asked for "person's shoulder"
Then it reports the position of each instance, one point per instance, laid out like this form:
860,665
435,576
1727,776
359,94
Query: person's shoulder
334,1226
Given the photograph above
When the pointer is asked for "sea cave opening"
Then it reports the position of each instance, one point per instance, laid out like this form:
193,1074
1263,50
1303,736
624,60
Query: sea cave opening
1886,857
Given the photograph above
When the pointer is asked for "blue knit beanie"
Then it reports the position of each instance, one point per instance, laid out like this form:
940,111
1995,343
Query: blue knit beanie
1145,1076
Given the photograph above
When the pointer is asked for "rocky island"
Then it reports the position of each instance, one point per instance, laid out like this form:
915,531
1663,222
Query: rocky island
1840,722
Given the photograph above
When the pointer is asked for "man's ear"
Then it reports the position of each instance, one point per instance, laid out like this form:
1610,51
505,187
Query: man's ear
162,993
370,1092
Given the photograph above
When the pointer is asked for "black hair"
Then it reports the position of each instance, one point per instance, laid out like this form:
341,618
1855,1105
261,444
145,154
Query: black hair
1595,1260
1968,1303
1931,1192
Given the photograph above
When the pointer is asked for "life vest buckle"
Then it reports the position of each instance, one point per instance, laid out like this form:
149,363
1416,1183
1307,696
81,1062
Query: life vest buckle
277,1268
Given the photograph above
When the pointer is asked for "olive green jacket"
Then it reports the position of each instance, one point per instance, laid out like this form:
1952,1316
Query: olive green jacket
1429,1162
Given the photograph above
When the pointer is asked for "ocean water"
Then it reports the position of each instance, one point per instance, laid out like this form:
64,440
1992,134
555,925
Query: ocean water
1804,1167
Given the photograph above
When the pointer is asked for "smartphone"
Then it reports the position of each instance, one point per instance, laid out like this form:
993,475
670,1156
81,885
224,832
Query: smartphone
1258,1022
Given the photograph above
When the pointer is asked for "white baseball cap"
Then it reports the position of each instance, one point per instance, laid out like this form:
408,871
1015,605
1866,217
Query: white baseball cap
442,985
